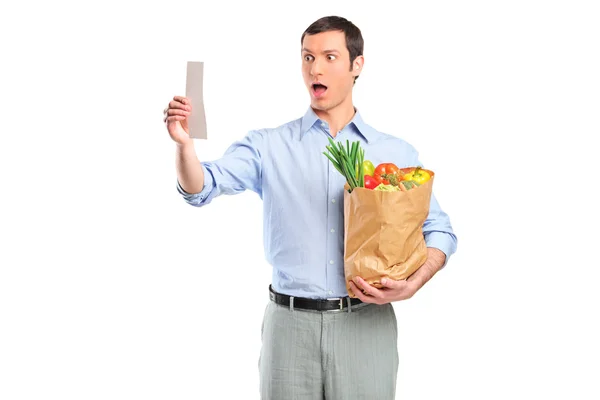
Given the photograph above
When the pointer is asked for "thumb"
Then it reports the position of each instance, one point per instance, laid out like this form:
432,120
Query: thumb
391,283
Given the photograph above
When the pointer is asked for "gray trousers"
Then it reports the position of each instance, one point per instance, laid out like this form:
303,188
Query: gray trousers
332,355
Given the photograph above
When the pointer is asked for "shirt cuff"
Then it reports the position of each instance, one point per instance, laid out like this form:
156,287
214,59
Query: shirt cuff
199,197
441,241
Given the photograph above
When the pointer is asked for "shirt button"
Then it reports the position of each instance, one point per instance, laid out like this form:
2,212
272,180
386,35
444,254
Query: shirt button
330,261
333,200
330,292
332,230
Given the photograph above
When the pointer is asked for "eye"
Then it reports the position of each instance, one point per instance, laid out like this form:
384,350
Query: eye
331,57
308,57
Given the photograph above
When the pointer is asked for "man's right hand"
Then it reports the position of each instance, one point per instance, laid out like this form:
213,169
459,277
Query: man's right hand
176,114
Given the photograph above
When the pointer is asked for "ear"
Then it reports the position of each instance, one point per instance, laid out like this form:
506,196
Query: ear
357,65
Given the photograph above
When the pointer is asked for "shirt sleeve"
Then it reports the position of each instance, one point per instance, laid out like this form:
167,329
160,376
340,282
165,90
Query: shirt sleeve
437,229
239,169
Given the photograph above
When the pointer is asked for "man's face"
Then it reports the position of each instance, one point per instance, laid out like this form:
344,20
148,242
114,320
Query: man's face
326,69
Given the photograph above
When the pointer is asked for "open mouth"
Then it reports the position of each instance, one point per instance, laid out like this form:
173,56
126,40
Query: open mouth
319,89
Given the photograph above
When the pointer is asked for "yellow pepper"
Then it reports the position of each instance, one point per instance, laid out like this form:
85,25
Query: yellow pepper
418,175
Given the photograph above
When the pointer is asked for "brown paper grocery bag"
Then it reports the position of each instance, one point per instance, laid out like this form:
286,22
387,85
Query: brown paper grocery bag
383,233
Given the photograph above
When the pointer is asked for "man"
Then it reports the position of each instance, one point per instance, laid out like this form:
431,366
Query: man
315,348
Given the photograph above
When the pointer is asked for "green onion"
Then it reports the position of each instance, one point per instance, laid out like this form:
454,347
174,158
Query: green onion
361,173
348,161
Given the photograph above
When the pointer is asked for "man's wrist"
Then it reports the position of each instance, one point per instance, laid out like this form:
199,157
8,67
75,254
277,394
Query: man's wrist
186,148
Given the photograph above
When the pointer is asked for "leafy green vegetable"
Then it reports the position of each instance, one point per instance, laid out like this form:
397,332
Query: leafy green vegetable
348,160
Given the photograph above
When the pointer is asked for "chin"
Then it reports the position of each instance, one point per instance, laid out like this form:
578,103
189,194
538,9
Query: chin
319,104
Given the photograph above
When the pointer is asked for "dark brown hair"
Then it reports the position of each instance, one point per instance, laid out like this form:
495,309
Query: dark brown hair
354,40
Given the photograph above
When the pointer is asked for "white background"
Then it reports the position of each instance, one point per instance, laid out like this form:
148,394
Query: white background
112,287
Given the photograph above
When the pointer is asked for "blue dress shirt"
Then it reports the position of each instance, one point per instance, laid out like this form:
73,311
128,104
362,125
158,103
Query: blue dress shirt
303,198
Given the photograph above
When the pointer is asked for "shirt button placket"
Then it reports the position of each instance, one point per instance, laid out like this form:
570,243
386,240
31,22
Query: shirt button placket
330,212
331,222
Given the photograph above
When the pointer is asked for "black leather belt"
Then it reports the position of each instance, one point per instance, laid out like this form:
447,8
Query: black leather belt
313,304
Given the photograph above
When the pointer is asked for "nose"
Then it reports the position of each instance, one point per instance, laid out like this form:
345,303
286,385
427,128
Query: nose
316,68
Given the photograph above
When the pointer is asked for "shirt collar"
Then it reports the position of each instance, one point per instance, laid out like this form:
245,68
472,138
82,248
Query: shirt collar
310,118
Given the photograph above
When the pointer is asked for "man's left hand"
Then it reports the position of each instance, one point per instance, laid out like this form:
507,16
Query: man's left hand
394,290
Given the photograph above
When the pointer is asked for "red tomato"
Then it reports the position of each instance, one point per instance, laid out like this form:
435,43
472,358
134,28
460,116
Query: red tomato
371,182
384,169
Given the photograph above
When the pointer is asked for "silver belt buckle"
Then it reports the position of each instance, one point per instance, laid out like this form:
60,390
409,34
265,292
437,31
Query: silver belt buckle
341,301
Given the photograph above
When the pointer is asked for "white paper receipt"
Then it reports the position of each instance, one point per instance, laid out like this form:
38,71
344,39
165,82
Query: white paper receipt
193,91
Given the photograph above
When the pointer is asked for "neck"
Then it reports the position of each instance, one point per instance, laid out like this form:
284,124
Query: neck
337,117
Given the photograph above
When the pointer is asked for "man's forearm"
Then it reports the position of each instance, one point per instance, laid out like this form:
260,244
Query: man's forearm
435,261
189,169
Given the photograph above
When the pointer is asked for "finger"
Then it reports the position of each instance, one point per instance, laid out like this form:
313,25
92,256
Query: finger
390,283
182,99
401,284
179,106
178,112
174,118
362,297
368,288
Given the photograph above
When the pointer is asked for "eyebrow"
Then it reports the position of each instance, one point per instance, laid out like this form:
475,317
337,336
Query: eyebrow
323,52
